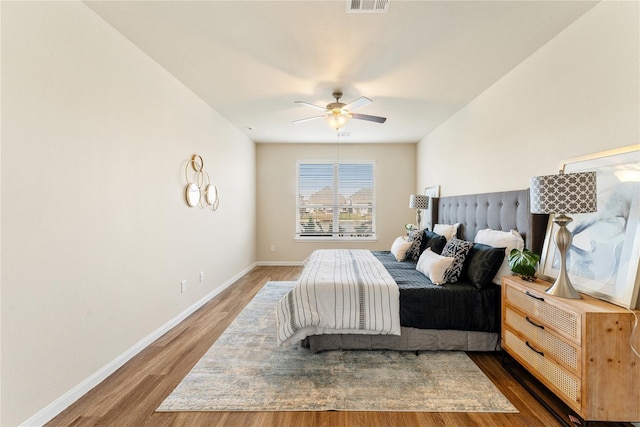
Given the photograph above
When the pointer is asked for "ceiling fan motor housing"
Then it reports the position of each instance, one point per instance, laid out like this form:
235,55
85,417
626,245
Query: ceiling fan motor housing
336,107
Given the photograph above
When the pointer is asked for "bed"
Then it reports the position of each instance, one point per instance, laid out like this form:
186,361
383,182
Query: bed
452,316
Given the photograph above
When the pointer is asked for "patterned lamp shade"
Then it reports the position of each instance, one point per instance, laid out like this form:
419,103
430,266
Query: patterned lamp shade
418,201
564,193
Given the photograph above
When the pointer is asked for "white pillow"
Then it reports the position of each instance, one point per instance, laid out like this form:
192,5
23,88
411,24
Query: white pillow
501,239
434,266
446,230
400,247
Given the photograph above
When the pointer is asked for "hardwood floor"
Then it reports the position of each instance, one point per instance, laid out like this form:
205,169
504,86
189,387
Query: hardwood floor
130,396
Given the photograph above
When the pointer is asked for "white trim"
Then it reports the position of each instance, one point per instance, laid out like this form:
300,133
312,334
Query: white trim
335,239
63,402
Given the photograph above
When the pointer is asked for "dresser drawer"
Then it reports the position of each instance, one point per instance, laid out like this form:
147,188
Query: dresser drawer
562,321
556,377
537,335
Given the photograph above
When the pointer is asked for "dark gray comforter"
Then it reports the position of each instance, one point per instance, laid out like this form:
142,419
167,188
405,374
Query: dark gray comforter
458,306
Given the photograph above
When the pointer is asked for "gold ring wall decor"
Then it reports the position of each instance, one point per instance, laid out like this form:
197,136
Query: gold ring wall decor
200,191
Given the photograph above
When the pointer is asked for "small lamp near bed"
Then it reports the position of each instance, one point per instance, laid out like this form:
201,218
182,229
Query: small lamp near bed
418,202
561,194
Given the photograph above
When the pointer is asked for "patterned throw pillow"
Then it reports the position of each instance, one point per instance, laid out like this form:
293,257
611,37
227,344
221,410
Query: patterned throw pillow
415,237
458,249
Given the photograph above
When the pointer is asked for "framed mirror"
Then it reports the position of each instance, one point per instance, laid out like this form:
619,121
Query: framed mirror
211,194
192,194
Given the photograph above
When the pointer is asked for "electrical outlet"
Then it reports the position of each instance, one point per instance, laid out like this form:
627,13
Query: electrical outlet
273,248
183,286
201,276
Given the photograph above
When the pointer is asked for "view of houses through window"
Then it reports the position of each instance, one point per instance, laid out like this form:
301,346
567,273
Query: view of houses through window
335,200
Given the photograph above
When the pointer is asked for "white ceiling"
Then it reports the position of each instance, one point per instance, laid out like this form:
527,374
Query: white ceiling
419,62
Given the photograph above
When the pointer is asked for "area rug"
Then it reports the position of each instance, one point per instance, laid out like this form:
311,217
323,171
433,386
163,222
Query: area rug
245,370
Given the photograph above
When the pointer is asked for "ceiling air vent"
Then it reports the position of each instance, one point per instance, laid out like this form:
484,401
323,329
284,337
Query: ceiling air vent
367,6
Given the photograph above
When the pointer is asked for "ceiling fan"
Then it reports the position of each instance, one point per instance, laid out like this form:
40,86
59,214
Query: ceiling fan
337,114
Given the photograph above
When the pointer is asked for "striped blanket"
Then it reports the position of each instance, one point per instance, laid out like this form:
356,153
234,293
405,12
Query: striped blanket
340,291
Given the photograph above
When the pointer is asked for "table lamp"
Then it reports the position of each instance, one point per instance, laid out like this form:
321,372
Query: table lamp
562,194
418,202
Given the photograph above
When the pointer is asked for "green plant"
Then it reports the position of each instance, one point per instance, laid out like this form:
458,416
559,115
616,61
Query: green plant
524,263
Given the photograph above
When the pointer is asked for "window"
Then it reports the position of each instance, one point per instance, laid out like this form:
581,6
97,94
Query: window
335,200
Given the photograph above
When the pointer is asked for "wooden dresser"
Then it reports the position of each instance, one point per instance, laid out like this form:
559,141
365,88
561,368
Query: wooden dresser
579,349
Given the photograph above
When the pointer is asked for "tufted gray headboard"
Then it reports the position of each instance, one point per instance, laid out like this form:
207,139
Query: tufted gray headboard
506,210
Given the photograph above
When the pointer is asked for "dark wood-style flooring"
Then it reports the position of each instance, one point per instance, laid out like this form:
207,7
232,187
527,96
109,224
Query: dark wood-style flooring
130,396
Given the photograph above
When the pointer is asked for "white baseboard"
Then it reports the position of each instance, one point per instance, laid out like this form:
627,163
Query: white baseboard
63,402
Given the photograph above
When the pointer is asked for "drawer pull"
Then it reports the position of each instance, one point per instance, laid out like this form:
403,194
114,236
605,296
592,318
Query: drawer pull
531,347
533,296
534,323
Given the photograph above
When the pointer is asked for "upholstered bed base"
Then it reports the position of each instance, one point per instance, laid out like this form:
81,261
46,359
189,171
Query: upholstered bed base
411,339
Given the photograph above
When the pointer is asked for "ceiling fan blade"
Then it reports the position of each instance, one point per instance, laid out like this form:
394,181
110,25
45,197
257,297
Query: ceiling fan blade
360,102
307,119
311,105
376,119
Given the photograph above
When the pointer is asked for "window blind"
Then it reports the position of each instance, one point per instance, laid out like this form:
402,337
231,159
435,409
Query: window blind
335,200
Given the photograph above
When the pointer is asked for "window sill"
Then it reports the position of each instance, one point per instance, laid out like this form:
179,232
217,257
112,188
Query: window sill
335,239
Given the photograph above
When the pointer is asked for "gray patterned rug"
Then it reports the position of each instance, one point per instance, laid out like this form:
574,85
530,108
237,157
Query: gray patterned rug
244,370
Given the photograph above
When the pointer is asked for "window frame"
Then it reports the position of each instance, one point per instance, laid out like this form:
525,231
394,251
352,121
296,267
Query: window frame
335,235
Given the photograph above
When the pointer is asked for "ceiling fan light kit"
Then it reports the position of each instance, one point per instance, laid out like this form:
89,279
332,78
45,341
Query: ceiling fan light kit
337,114
337,119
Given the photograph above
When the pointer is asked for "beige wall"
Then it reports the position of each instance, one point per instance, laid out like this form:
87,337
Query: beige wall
577,95
96,235
276,201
